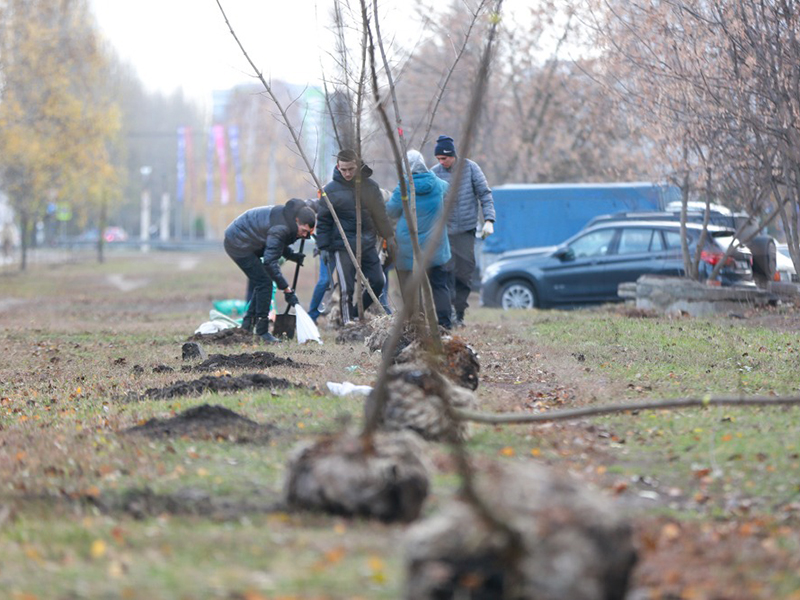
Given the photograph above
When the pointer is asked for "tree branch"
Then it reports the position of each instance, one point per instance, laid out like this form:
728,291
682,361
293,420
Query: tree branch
596,411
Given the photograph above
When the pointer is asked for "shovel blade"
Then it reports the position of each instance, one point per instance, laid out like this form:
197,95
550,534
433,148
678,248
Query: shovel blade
284,325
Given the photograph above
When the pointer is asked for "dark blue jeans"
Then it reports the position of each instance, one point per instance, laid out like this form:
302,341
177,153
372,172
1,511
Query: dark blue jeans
258,311
322,285
384,298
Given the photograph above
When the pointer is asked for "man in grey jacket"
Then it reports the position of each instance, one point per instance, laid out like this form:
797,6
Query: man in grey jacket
266,234
473,190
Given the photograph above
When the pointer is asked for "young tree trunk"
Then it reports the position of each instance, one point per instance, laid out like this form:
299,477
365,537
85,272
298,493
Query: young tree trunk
24,224
103,221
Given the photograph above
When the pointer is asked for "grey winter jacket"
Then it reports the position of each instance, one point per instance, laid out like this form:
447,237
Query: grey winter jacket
266,231
472,189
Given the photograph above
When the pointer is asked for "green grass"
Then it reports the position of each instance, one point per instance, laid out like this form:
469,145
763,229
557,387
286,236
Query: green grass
65,397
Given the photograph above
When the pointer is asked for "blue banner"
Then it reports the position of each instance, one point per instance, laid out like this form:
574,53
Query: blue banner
233,138
181,166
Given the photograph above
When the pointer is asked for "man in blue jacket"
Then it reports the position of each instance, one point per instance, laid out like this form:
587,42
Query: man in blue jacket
341,191
473,191
267,233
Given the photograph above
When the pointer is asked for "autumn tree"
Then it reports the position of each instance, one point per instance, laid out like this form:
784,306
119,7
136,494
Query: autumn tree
716,83
56,123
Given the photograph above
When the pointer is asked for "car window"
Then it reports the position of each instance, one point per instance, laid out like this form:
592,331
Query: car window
595,243
638,240
673,239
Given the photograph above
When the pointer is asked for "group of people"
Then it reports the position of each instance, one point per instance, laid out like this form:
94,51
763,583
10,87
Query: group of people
257,239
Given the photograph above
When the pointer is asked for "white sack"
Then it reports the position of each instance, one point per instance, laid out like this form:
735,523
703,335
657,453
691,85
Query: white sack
305,326
345,388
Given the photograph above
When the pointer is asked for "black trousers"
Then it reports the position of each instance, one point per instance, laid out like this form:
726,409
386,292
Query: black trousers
461,267
257,276
439,278
346,272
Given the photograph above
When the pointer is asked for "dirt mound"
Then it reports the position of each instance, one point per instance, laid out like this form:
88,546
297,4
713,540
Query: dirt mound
226,337
251,360
207,422
225,383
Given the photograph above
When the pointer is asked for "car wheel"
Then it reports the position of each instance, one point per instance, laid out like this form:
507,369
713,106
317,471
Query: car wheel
518,294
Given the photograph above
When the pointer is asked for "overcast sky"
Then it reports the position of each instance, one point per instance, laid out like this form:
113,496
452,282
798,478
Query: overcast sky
186,44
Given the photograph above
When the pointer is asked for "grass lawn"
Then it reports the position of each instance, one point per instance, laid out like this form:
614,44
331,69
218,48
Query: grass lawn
88,511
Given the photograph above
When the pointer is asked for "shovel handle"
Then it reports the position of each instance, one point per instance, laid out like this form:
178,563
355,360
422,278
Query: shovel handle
296,274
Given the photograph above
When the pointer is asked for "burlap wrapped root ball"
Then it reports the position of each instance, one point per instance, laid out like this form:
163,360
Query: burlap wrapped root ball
385,479
459,363
575,545
415,401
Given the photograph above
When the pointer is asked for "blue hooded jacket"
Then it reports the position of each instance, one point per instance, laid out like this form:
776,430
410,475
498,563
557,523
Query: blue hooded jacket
430,192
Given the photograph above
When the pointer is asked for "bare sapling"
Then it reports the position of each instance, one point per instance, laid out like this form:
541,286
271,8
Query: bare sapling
443,87
301,151
408,198
377,399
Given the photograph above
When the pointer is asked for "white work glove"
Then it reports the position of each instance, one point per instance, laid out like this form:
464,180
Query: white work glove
488,229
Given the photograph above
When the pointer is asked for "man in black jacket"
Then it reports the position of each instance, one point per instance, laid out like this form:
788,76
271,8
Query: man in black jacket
267,232
341,191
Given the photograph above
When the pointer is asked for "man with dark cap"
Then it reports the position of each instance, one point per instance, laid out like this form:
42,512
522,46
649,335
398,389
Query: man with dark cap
267,232
473,190
349,176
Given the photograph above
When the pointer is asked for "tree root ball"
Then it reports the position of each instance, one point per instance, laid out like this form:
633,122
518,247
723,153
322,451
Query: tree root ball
386,479
574,545
416,398
459,362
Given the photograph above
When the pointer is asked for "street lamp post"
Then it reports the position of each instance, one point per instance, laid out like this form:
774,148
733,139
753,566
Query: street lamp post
144,222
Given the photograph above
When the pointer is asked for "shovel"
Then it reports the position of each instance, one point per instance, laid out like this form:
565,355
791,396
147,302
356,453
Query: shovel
285,324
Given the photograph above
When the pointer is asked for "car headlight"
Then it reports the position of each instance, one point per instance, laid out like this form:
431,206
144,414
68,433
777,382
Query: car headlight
491,271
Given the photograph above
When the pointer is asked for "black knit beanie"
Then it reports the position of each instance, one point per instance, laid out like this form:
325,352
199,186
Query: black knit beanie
444,146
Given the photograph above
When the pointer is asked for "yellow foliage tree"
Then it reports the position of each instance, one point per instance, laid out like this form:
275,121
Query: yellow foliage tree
58,125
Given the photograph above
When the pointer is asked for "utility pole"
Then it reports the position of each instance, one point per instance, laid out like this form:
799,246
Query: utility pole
144,221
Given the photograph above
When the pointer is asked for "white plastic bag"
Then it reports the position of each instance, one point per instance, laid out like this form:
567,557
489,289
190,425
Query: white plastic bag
345,388
215,315
217,322
305,326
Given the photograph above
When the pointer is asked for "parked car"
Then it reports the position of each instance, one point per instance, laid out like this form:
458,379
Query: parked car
589,266
786,270
768,264
115,234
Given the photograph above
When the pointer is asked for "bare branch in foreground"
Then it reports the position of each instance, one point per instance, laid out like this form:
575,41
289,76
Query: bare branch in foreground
377,399
610,409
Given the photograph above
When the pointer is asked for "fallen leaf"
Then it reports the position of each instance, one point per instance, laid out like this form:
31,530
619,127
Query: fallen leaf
98,549
670,532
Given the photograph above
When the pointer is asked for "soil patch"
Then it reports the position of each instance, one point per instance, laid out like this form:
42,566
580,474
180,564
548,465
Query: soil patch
251,360
207,422
234,335
225,383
